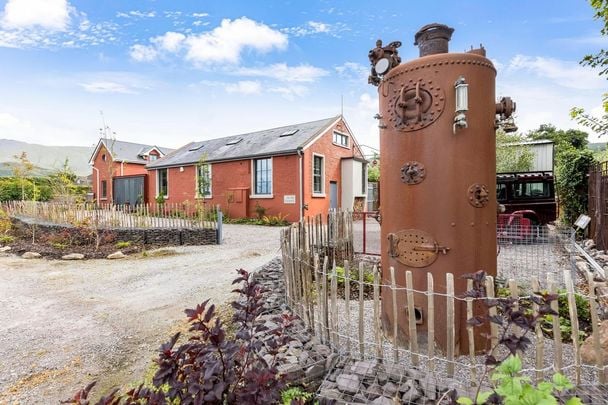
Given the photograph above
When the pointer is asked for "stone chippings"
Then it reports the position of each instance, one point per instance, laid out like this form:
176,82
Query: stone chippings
305,360
372,382
338,379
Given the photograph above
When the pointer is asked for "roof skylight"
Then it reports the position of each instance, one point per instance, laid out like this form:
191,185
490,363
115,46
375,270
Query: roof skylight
234,141
289,132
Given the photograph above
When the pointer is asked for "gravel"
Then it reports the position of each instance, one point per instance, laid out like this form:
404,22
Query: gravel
67,323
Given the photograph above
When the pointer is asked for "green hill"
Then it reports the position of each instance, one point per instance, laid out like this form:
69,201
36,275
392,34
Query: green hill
45,158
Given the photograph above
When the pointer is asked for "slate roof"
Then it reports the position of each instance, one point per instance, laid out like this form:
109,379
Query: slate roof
276,141
128,152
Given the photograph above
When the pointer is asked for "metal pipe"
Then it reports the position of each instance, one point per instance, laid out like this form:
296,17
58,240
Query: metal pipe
364,233
300,173
590,259
97,193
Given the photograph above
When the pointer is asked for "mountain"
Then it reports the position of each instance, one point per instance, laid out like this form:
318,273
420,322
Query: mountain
45,158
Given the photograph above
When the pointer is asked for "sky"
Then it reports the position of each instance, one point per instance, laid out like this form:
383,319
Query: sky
167,72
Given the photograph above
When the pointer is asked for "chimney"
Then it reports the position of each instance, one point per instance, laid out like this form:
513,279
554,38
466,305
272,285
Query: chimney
433,38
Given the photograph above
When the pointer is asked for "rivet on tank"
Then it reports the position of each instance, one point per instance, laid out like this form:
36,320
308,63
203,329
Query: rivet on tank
437,116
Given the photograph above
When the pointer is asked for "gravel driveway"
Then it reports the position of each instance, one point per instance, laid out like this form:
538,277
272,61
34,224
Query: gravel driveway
64,324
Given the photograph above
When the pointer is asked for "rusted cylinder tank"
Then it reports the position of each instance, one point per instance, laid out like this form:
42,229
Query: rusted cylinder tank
438,171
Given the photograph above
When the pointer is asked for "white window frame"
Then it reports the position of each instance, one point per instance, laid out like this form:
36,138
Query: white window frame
341,134
253,173
314,193
198,192
158,182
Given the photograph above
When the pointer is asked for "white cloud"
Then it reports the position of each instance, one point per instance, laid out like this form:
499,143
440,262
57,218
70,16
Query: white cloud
143,53
200,15
290,92
113,82
170,41
107,87
316,27
51,24
284,73
53,15
353,71
226,42
545,90
244,87
563,73
136,14
223,44
11,122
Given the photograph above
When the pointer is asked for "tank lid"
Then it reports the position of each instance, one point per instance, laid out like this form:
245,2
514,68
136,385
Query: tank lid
433,38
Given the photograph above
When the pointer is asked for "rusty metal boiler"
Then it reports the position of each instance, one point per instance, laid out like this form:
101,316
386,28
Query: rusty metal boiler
437,123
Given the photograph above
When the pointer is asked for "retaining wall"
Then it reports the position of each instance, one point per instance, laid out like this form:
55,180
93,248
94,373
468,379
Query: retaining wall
25,227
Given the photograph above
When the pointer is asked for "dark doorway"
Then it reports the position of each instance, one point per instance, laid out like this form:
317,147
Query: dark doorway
333,195
128,190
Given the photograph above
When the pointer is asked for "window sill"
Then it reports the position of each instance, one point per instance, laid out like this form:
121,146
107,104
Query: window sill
206,197
314,195
341,146
104,198
267,196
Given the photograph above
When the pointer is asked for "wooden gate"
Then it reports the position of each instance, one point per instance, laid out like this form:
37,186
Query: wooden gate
598,204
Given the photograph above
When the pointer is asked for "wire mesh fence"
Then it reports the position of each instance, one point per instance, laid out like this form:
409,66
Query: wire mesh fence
342,305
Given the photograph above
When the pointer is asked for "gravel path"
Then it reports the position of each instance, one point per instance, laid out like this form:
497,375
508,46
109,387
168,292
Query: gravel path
64,324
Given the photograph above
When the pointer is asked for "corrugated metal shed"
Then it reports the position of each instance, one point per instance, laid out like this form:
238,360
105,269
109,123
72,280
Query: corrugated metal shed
543,154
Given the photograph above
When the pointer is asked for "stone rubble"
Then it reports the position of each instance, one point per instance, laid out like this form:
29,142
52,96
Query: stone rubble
31,255
338,379
73,256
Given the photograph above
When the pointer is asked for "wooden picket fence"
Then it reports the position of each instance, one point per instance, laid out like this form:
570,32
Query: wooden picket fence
311,280
117,216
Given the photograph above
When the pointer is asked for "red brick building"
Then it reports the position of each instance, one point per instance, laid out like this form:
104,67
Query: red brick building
296,170
119,170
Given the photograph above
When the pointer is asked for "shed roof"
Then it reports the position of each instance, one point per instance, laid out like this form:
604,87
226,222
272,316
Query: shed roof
130,152
269,142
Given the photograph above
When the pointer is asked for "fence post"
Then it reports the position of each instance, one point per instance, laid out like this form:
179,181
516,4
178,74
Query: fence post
220,221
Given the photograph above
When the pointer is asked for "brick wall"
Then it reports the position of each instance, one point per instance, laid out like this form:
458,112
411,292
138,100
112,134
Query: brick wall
109,169
333,155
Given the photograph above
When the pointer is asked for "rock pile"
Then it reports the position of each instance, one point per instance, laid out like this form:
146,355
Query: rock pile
305,360
341,379
371,382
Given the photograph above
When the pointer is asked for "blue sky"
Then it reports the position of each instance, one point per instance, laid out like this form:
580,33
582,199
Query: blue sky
168,72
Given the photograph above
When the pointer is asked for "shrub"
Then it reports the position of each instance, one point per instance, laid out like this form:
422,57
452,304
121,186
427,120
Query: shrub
275,220
510,387
261,211
5,222
123,244
6,239
211,369
295,396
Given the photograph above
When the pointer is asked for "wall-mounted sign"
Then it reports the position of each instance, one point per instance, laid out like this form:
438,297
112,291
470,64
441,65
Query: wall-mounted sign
289,199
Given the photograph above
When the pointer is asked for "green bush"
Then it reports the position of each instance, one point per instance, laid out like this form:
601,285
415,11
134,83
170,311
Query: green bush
37,189
571,182
6,239
295,395
123,244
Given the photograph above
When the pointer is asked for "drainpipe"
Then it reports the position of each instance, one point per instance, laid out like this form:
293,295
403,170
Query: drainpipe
97,193
300,173
122,168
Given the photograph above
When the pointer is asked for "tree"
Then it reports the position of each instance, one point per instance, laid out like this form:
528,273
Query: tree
63,183
22,170
511,154
373,169
562,139
598,125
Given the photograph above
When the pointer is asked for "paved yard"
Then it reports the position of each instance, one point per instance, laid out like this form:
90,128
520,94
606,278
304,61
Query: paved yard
64,324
